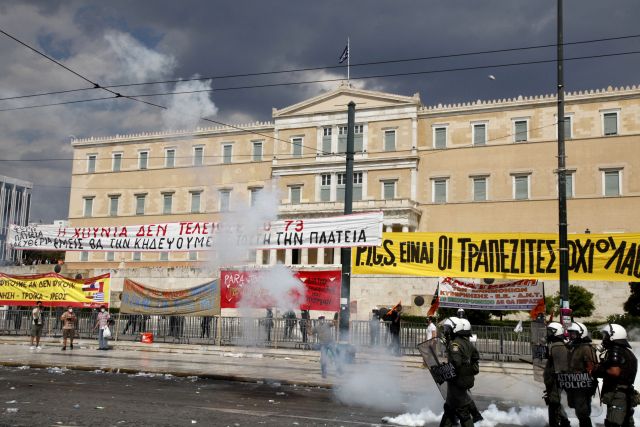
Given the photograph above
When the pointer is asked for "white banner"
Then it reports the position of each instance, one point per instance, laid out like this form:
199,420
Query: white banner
338,231
513,295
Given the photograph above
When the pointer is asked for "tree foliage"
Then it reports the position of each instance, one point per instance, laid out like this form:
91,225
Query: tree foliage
632,305
580,301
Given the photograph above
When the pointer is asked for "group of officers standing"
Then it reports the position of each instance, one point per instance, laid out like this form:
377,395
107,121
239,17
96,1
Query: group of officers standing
573,366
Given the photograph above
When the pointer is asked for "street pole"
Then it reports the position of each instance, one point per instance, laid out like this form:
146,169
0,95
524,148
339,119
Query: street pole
565,311
345,253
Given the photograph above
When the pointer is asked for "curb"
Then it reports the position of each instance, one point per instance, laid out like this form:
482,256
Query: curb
217,377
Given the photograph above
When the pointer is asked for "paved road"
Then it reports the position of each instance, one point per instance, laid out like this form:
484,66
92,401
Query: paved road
52,397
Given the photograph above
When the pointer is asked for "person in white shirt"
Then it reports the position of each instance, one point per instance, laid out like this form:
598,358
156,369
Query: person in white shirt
432,331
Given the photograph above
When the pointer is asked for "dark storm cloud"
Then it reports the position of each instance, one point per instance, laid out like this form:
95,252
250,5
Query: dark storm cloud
220,38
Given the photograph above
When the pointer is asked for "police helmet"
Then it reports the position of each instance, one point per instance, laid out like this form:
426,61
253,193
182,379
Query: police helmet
555,329
579,328
613,332
453,325
466,327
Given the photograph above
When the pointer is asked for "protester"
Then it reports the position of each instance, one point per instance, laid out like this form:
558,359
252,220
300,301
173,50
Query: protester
268,323
69,321
36,325
205,326
132,322
432,331
324,332
305,320
289,323
618,367
393,317
102,322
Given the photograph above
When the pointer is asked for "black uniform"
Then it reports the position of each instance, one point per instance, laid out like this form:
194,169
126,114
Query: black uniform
617,387
464,357
556,363
582,359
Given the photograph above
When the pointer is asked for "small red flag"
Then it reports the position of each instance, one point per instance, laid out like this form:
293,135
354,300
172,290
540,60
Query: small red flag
540,308
435,302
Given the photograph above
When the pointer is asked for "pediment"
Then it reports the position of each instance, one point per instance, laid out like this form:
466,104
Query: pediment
338,99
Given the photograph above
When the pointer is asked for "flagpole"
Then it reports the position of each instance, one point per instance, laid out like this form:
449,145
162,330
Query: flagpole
348,60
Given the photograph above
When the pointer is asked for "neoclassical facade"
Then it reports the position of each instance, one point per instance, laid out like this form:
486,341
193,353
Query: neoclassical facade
480,166
15,205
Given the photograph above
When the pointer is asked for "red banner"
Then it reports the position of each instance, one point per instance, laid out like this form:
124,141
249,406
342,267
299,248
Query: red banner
322,290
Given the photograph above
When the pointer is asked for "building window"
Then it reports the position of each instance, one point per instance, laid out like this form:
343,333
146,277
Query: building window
389,140
136,256
255,194
326,140
193,256
109,256
358,132
116,163
479,189
91,163
225,198
143,159
521,187
295,194
84,256
479,134
170,158
342,139
296,146
439,188
113,205
164,256
167,203
357,186
520,130
388,190
610,123
569,184
325,187
257,151
88,207
227,152
568,134
440,137
195,201
611,180
140,198
198,156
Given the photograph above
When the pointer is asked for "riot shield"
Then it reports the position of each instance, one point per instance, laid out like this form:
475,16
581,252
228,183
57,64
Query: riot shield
538,349
436,360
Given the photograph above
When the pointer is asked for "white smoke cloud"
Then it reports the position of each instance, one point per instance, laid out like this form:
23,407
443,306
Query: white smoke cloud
184,111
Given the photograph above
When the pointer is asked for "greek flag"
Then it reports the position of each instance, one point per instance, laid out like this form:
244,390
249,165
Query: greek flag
345,54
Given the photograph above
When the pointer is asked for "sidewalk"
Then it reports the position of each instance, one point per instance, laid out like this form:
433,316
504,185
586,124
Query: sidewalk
248,364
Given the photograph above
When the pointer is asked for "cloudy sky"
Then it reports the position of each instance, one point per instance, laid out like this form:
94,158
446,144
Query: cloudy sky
119,42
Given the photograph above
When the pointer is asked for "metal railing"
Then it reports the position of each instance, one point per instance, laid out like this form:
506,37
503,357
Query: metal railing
493,342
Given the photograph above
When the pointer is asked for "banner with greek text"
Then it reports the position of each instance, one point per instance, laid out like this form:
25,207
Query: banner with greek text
511,295
243,288
337,231
201,300
55,290
603,257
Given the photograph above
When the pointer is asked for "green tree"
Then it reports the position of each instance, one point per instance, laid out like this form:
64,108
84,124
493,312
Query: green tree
580,301
632,305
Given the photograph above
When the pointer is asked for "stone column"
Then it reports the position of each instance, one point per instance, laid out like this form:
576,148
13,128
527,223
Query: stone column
320,256
273,257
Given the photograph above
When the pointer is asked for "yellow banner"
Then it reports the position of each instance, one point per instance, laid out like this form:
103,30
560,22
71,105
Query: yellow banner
607,257
55,290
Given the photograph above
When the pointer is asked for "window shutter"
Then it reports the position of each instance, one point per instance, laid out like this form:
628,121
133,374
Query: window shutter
478,135
567,128
611,124
521,131
441,137
522,187
611,183
389,140
479,189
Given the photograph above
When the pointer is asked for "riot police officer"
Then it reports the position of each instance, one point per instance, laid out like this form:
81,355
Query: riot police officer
556,363
464,357
618,368
580,385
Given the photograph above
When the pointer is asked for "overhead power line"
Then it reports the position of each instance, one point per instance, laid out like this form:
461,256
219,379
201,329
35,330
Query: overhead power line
328,67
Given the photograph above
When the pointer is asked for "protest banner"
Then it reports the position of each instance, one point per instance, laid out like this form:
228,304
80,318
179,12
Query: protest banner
55,290
339,231
602,257
243,288
511,295
200,300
